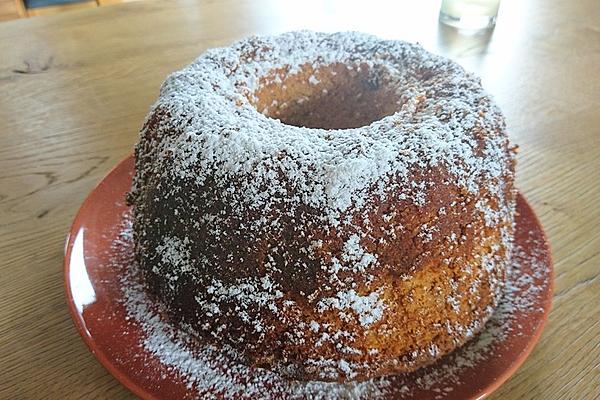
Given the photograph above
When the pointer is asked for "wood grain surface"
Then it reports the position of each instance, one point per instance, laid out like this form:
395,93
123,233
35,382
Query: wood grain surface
75,87
11,9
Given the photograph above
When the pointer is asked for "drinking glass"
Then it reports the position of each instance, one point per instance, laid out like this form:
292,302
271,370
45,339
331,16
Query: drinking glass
469,14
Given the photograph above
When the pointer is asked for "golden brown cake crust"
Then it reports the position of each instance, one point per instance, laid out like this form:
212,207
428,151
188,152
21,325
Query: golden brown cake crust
331,206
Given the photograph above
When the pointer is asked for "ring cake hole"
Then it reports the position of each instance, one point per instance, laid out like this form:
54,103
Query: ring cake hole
336,96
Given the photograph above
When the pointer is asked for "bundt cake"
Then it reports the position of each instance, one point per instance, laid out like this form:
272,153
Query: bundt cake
328,206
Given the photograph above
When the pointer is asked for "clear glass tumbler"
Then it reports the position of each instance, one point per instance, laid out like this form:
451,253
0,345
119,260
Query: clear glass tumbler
469,14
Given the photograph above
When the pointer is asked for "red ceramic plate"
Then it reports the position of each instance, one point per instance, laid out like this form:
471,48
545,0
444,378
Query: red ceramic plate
94,269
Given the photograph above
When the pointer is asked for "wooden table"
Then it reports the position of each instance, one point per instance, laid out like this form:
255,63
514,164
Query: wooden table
75,87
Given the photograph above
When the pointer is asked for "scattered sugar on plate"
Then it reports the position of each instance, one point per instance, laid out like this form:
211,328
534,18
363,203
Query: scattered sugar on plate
212,372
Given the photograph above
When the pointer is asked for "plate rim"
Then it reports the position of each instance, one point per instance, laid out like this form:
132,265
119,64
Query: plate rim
76,316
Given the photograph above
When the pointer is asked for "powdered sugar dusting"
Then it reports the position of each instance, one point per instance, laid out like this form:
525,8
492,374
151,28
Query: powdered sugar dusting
219,134
369,308
242,210
212,372
433,127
